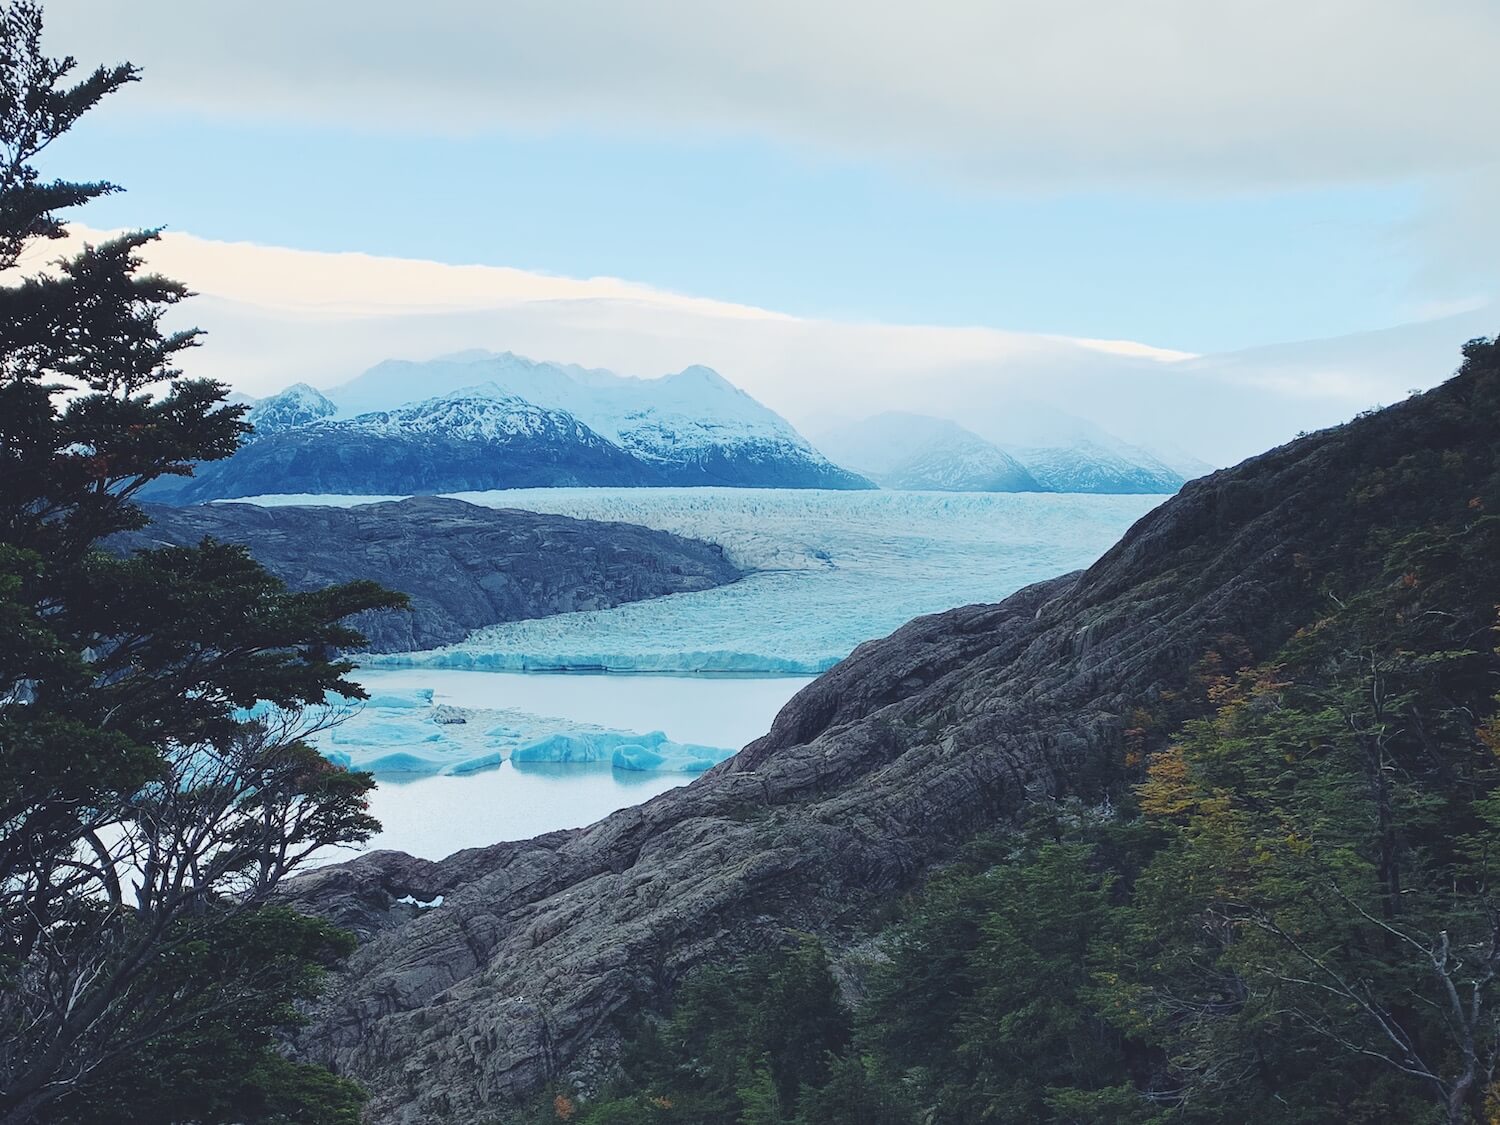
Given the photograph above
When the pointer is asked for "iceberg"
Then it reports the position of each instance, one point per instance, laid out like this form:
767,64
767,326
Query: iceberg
392,701
400,735
676,757
624,751
583,746
474,765
403,763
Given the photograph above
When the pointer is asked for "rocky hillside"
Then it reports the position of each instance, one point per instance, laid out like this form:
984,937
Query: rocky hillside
875,773
463,566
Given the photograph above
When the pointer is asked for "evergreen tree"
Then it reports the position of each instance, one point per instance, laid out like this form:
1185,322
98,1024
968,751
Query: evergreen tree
155,779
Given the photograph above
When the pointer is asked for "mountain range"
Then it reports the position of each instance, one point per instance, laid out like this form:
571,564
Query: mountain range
479,420
1050,452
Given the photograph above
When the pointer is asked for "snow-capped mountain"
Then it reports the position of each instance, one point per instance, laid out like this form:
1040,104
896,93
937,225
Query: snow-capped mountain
473,416
485,422
694,426
916,452
1088,467
913,452
450,444
298,405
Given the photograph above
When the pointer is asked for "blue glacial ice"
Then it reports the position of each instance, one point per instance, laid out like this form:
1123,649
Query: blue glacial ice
677,757
582,746
624,751
829,570
400,701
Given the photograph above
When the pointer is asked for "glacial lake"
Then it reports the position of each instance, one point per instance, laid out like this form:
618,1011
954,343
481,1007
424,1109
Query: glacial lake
827,571
434,816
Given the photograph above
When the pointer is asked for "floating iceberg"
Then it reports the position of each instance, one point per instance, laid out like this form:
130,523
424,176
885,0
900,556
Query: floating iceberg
583,745
402,762
397,701
623,750
400,735
676,757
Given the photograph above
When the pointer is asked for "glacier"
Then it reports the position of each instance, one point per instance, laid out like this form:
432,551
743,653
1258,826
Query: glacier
829,571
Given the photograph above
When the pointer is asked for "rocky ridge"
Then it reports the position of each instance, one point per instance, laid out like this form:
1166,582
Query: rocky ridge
463,566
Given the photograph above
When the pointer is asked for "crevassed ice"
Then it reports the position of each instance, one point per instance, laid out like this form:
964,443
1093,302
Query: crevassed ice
830,570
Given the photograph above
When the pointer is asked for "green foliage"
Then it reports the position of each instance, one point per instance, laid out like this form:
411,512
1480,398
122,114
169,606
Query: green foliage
244,974
147,813
986,997
762,1042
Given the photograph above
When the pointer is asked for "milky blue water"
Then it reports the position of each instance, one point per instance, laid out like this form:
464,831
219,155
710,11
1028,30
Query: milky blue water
433,813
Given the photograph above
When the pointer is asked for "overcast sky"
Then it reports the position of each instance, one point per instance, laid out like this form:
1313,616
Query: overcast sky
1197,174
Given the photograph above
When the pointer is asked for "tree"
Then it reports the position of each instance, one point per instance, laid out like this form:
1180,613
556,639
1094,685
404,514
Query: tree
156,783
1320,929
986,1002
744,1043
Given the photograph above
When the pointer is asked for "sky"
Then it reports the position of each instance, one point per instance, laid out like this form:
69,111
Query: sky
1199,177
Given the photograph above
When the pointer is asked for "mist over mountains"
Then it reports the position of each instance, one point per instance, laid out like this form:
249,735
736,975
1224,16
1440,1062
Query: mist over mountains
1046,451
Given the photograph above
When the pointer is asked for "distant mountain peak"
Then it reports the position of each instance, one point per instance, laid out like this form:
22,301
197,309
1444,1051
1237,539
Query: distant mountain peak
707,375
298,405
921,452
918,452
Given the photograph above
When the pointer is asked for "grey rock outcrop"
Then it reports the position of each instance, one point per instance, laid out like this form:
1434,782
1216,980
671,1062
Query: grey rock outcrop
869,778
464,566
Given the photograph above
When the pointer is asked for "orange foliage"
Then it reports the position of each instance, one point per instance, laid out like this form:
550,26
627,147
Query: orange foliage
1167,790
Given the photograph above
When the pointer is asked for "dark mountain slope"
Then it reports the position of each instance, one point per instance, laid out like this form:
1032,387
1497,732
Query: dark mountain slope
464,566
876,772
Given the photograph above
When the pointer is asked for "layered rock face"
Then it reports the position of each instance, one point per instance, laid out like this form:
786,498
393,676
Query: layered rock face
869,778
462,565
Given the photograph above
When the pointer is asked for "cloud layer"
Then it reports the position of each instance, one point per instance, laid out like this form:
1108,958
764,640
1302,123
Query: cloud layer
1017,93
276,316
